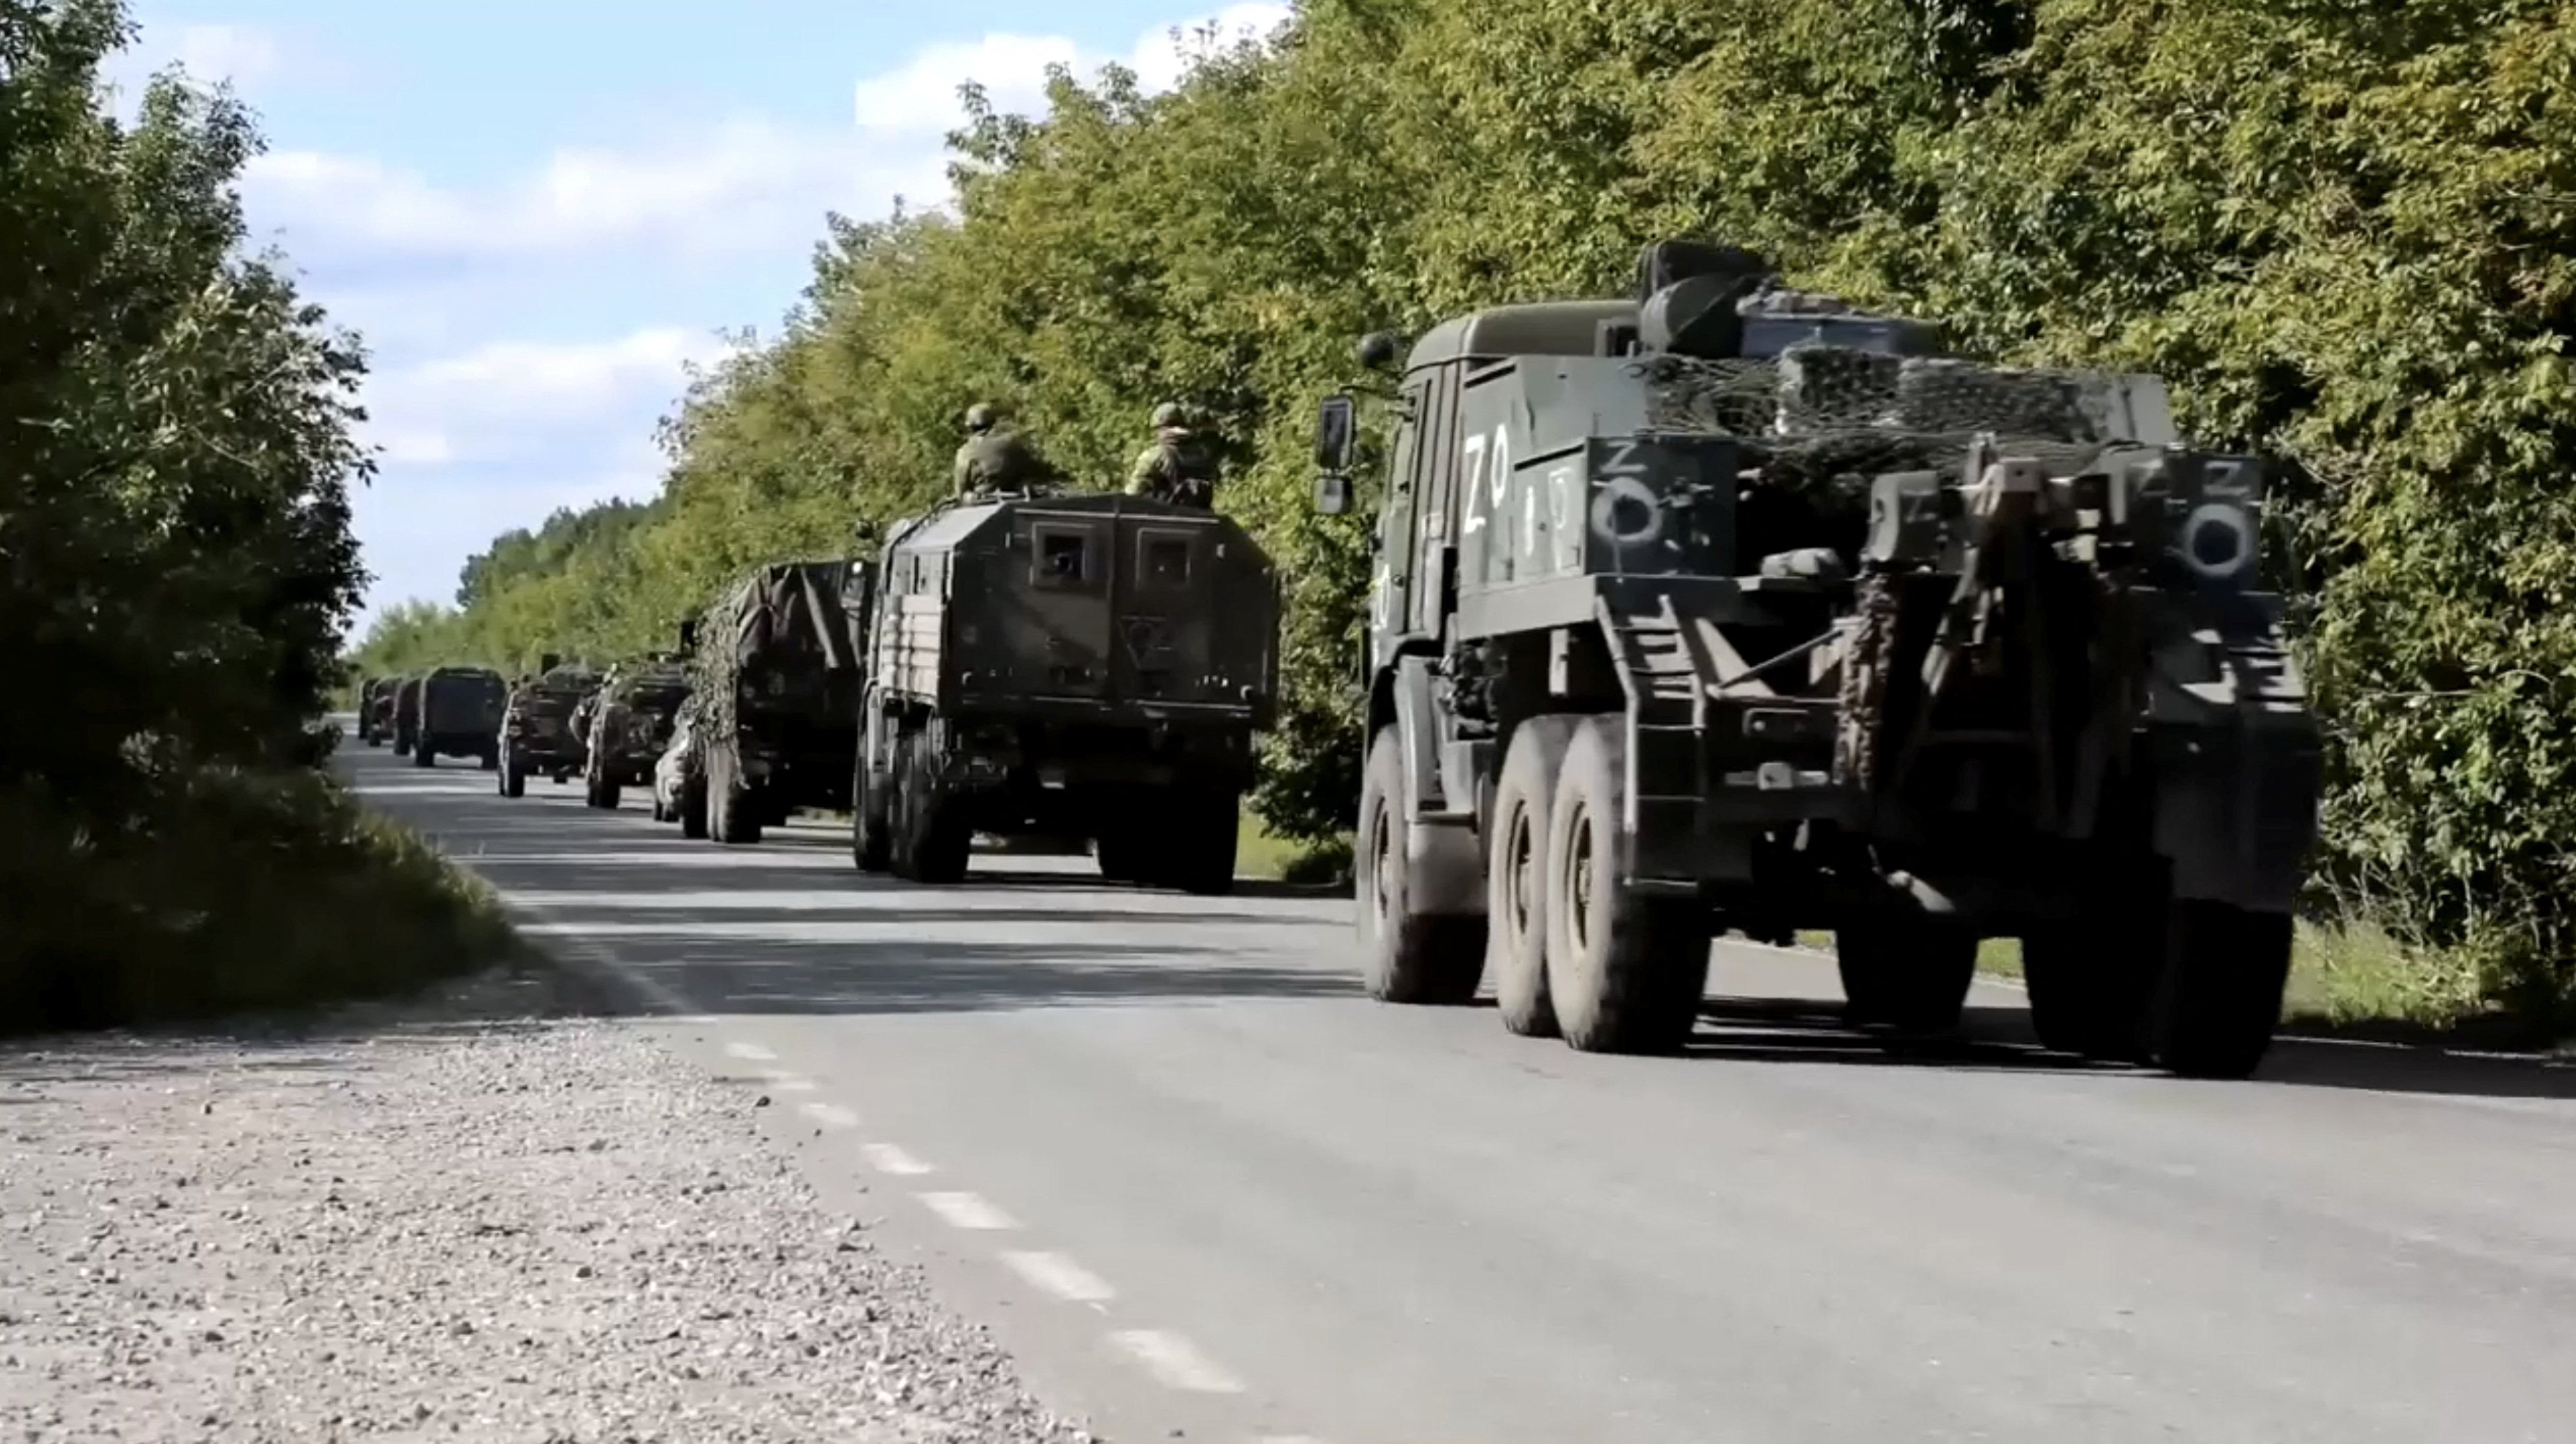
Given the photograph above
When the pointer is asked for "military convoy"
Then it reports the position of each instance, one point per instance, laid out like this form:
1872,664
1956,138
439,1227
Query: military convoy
1059,665
1725,607
1717,607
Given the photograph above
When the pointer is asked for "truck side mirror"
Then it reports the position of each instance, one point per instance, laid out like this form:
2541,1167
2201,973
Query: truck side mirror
1332,494
1336,434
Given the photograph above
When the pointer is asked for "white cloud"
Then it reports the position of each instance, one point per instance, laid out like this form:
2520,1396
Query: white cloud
247,55
748,185
502,399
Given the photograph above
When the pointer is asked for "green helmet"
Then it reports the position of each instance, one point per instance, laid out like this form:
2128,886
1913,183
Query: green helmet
1170,414
981,416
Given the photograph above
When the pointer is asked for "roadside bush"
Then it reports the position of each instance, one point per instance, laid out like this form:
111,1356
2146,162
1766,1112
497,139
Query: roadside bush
177,573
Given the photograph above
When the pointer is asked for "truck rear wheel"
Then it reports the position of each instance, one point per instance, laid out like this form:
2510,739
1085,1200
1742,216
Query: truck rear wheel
1516,874
2217,1003
424,753
931,845
1199,851
1625,972
1909,972
693,807
733,815
1411,957
2090,983
871,848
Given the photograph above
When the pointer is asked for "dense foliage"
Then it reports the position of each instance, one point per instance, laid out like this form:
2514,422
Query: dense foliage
2347,233
176,563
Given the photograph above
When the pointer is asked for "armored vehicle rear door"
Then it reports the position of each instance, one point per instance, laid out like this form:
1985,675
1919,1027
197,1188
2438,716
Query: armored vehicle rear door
1176,596
1072,561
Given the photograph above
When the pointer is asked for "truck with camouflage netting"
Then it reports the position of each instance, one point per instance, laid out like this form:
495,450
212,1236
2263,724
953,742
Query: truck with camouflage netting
376,710
1729,607
631,720
538,738
402,712
776,663
1053,666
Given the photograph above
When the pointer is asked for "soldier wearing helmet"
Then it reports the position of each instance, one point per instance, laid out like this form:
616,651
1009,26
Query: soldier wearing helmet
996,456
1179,466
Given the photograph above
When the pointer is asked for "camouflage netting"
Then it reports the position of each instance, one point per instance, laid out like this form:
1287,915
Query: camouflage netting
1823,420
780,615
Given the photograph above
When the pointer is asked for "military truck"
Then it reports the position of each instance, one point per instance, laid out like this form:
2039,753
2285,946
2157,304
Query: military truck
375,710
537,735
1727,607
405,713
460,716
630,724
777,670
1085,666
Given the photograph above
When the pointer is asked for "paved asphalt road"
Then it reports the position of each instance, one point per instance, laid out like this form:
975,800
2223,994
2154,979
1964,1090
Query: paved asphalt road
1207,1191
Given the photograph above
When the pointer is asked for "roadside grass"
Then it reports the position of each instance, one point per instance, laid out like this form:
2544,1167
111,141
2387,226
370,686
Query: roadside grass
2353,977
1258,853
238,892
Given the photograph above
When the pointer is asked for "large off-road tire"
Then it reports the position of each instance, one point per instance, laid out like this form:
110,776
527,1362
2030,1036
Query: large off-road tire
2217,1003
424,753
932,844
1115,850
611,791
2090,983
1908,972
514,773
871,844
733,814
1202,843
1516,874
693,808
1625,971
1408,957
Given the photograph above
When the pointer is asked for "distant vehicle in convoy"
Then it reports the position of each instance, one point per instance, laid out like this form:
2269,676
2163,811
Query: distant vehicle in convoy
671,770
1725,606
1086,666
404,713
460,716
537,734
630,724
777,674
376,710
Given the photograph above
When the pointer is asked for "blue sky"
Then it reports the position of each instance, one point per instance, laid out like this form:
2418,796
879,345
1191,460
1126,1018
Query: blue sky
539,214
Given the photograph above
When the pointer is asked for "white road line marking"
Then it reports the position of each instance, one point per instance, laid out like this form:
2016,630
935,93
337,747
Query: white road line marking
830,1115
1053,1273
965,1210
790,1083
886,1158
1174,1362
750,1053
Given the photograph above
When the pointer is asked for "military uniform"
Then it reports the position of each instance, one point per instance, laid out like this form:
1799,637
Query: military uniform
1179,467
996,457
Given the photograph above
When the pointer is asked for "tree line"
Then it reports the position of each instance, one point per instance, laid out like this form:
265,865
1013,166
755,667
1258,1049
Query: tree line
2346,234
177,573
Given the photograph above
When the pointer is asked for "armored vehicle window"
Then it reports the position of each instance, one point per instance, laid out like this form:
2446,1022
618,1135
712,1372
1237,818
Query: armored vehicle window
1062,558
1163,558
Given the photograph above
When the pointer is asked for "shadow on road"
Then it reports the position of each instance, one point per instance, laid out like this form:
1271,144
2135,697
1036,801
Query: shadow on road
924,976
1998,1039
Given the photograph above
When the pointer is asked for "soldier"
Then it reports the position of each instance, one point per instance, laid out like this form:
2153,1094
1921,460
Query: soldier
1179,467
996,456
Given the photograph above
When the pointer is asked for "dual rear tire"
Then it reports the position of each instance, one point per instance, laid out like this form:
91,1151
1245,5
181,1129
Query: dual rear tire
1576,953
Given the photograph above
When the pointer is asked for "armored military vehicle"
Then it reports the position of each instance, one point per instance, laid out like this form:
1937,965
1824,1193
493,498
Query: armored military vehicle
1724,606
460,716
1086,666
777,673
404,713
630,724
537,735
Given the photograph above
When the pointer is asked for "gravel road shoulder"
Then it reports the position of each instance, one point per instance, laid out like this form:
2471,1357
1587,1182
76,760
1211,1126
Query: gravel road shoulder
479,1216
